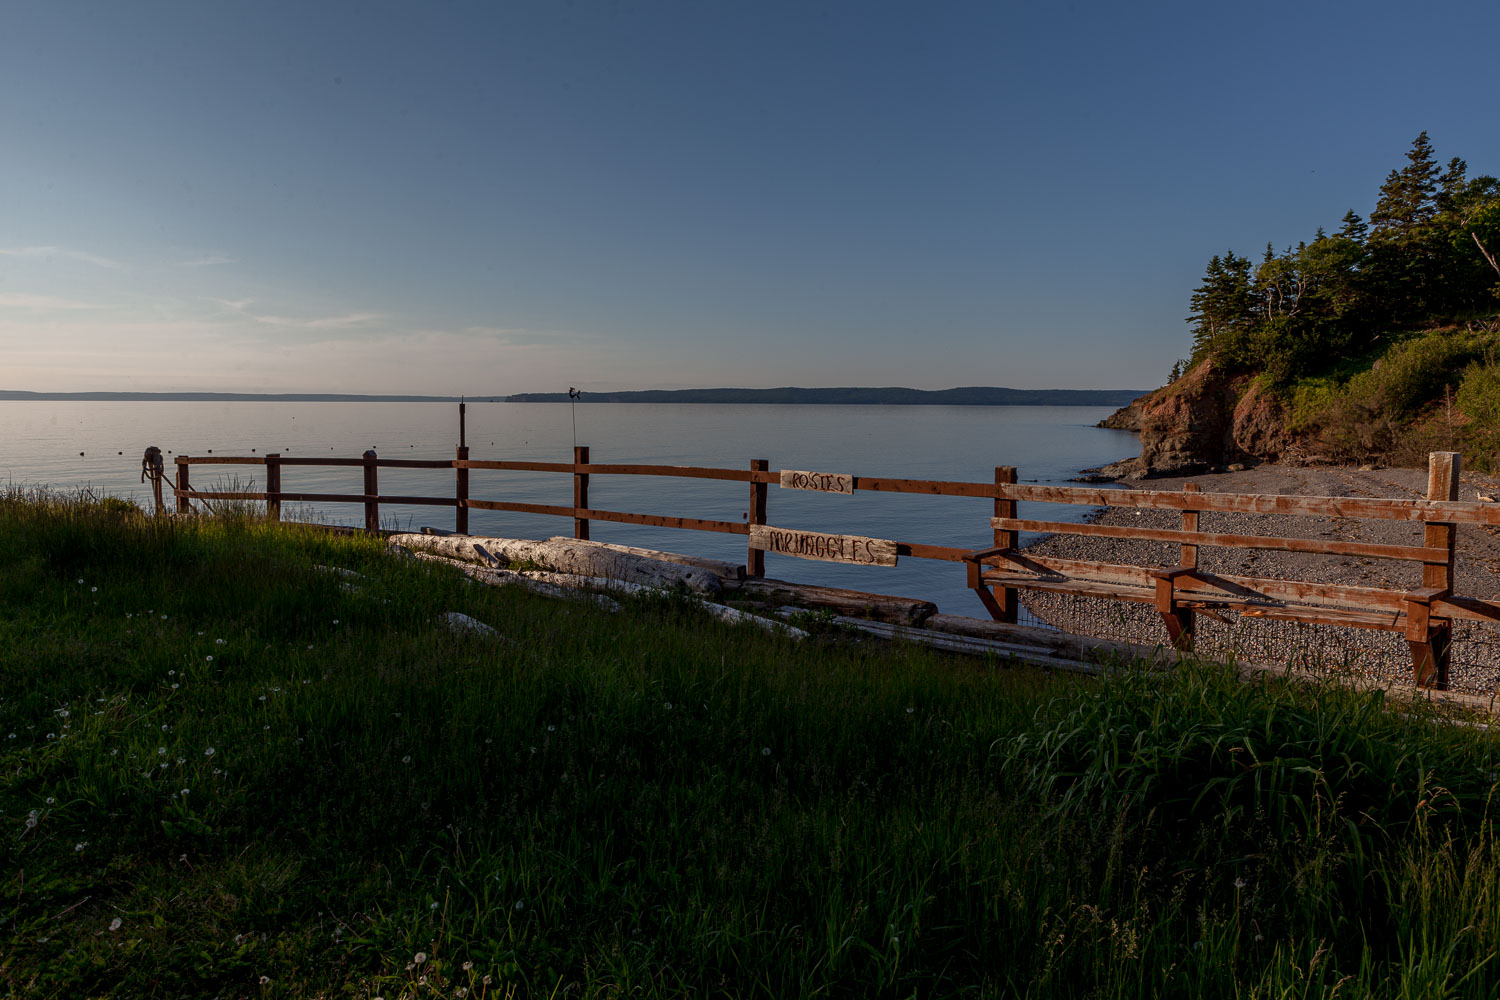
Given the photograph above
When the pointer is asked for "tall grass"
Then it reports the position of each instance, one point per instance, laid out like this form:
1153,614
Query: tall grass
221,763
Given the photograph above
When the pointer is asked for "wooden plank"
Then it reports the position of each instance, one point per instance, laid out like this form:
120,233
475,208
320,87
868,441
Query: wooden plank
323,497
1411,553
1081,588
413,463
818,482
943,553
346,462
219,460
419,501
680,471
935,487
654,520
823,547
1246,503
218,495
1388,621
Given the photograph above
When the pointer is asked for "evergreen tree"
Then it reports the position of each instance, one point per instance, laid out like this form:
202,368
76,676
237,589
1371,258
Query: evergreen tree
1223,304
1354,228
1407,204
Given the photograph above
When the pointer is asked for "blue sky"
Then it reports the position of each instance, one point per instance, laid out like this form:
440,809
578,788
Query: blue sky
508,197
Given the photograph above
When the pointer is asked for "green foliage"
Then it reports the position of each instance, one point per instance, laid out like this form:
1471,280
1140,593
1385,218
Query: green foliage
1426,259
235,773
1479,399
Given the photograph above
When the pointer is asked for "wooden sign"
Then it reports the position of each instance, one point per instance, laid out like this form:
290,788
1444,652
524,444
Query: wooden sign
823,482
828,548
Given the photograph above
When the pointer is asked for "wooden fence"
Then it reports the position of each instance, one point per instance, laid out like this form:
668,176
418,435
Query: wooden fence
1424,615
759,477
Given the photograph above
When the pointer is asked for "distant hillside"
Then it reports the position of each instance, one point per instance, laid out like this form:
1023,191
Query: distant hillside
974,395
222,397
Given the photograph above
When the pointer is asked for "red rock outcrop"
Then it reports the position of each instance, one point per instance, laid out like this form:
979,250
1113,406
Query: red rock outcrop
1204,420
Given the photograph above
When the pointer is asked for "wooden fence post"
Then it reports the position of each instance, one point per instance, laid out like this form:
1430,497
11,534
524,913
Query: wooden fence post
755,559
1431,641
273,485
184,483
580,491
461,493
372,494
1185,619
1007,600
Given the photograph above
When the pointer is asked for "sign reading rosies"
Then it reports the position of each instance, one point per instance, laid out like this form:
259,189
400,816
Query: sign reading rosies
823,482
829,548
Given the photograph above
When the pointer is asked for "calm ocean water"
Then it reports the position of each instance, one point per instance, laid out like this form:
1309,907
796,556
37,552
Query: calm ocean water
99,445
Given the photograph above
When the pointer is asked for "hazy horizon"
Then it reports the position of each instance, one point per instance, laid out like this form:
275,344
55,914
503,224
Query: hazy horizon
487,200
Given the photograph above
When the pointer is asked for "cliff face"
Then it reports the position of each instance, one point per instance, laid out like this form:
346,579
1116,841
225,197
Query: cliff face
1204,420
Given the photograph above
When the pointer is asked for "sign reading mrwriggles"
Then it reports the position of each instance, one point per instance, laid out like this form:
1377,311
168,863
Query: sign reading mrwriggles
829,548
823,482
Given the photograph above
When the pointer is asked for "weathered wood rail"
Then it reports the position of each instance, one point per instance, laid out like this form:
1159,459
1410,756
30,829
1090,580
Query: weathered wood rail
997,573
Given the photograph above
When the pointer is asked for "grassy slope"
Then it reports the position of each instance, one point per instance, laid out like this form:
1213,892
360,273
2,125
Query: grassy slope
260,773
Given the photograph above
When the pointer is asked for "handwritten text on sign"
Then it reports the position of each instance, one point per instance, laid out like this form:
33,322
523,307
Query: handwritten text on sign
829,548
823,482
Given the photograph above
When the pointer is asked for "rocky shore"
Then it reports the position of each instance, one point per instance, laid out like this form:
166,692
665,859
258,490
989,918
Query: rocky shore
1375,655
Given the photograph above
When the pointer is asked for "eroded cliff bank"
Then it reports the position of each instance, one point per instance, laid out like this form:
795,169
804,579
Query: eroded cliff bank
1205,420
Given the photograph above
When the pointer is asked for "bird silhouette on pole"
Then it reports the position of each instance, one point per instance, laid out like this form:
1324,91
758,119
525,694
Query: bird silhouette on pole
573,395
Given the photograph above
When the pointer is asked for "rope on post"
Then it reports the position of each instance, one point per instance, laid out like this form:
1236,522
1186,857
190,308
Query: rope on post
153,467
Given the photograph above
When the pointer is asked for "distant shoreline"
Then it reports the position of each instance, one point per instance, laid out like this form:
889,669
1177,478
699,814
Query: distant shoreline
857,396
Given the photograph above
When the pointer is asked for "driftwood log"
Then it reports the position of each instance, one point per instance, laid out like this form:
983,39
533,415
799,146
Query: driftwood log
720,569
564,556
854,603
571,586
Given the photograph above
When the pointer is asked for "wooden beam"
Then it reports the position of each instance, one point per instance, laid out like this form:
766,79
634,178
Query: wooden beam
273,486
1245,503
580,491
461,485
755,559
1431,662
1007,601
1410,553
372,493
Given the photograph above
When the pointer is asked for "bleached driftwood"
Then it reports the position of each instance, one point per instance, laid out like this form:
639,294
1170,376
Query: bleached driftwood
575,587
565,556
719,568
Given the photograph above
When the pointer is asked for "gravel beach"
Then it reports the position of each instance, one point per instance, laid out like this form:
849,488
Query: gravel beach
1374,655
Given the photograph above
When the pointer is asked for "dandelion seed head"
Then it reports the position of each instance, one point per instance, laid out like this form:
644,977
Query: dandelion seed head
419,957
209,752
115,924
765,751
78,847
